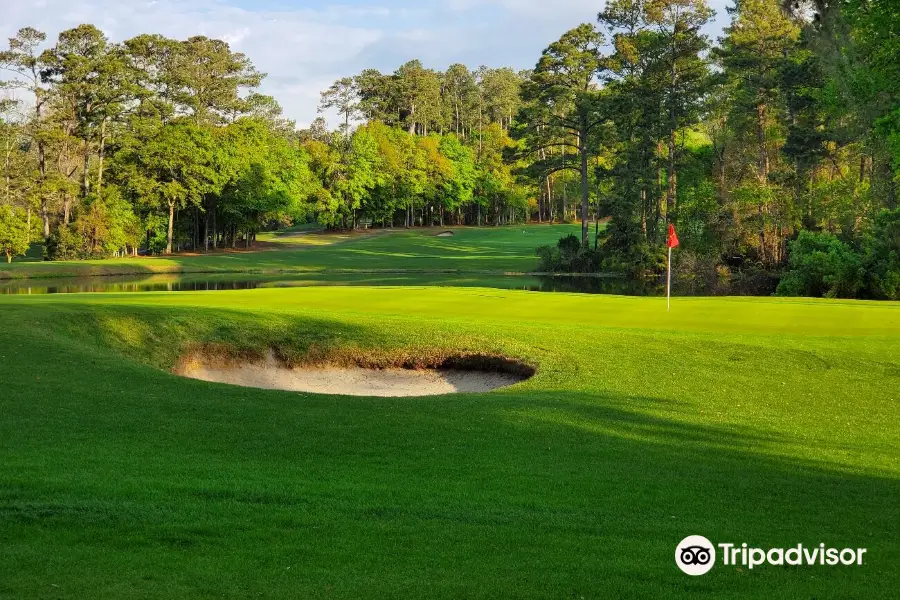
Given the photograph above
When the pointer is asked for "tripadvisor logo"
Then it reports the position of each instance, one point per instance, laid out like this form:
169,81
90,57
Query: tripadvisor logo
696,555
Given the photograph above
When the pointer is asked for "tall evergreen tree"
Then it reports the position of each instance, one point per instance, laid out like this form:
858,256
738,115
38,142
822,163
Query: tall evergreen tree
562,96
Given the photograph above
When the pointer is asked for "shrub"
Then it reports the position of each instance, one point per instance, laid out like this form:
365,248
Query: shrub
697,273
568,256
625,249
104,224
820,265
883,256
63,244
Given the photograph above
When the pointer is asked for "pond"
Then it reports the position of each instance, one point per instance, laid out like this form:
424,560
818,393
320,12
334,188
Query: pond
207,282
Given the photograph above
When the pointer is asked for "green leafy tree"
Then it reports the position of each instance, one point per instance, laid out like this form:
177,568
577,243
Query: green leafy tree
633,101
679,24
95,80
753,55
14,232
822,265
342,96
501,91
263,178
362,173
325,165
208,80
377,97
459,185
459,92
24,62
418,92
172,169
562,96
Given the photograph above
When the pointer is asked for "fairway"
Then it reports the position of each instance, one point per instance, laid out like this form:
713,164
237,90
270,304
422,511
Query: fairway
297,302
469,250
766,421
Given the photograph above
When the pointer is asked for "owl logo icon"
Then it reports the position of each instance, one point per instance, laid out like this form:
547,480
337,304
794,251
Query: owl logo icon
695,555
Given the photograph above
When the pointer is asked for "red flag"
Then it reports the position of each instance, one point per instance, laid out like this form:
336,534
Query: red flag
671,239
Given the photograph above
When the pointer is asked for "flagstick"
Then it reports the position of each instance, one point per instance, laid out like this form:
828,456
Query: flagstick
669,283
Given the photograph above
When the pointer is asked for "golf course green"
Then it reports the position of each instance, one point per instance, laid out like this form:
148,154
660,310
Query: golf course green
465,300
765,421
469,250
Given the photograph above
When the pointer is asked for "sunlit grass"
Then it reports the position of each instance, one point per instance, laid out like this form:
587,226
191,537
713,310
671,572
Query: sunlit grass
471,249
770,421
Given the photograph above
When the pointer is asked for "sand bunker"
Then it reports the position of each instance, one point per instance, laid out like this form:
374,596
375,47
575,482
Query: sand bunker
348,381
445,234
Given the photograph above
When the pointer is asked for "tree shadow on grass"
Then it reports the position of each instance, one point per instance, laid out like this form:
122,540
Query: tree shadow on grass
659,474
114,468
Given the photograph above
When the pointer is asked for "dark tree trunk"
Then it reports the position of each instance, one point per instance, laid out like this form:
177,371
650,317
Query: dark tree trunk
549,183
583,150
723,184
86,180
762,174
171,227
42,166
100,154
672,176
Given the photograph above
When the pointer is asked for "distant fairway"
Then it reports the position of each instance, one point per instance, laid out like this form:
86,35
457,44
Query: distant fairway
767,421
471,249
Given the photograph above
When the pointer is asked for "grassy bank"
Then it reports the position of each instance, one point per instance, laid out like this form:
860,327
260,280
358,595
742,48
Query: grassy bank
470,250
771,422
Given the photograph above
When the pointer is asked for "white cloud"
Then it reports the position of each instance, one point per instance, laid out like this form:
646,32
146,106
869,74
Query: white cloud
303,49
574,11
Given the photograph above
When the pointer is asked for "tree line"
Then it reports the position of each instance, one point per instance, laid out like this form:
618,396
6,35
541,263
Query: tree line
773,149
159,145
145,144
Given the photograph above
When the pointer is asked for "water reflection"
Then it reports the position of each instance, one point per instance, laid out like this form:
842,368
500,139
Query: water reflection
599,285
101,286
194,283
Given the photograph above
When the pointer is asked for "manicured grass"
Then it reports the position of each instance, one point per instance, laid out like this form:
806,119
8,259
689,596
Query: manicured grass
766,421
220,281
471,249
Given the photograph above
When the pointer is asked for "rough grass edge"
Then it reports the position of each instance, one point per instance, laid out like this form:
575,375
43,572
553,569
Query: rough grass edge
220,354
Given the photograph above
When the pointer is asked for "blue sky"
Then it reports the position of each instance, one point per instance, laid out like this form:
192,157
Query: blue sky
305,45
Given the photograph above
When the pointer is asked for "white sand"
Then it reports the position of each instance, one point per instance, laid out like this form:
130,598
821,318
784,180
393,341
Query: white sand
445,234
349,381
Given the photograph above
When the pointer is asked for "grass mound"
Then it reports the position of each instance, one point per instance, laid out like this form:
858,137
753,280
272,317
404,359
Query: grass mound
766,421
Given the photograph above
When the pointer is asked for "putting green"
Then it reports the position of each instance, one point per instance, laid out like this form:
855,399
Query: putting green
766,421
